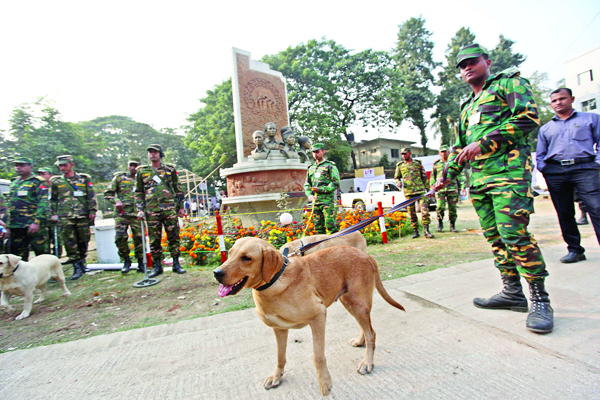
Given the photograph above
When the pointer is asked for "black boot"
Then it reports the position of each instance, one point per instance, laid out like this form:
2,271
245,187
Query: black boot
440,226
158,269
140,265
126,265
452,227
583,220
541,317
416,234
176,267
510,298
78,270
428,234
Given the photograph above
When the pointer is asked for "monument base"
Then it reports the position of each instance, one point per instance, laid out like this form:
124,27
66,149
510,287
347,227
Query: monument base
255,208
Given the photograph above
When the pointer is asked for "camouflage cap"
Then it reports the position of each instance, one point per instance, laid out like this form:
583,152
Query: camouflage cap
156,147
23,160
444,148
45,169
134,160
317,147
405,150
471,51
63,159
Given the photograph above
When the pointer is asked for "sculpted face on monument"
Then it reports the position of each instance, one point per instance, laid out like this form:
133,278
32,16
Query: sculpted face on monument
290,140
271,129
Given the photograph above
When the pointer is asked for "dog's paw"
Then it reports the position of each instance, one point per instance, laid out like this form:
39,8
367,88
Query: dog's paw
22,315
356,342
364,368
273,380
325,384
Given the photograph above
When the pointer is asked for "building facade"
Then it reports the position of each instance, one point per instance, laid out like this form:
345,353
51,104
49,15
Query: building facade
582,76
369,152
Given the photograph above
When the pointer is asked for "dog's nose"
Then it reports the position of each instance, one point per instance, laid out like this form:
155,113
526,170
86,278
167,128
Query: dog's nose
219,274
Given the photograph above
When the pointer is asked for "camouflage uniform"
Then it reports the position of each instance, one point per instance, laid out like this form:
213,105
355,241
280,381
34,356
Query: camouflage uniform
415,182
499,120
28,204
122,187
159,194
325,176
449,194
73,200
51,227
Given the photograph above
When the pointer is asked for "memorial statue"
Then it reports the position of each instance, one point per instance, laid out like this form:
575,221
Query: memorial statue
289,141
305,146
261,152
271,130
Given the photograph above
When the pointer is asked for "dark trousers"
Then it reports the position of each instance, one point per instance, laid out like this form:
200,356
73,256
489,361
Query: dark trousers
586,181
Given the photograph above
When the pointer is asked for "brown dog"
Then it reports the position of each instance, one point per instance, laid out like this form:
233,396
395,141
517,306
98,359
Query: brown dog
299,294
354,239
21,278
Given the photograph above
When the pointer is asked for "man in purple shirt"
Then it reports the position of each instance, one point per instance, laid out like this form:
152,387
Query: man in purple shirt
568,155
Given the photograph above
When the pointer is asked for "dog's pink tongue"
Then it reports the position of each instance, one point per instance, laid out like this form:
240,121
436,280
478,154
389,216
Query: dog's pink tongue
223,290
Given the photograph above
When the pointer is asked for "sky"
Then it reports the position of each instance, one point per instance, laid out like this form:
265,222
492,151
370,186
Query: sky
153,60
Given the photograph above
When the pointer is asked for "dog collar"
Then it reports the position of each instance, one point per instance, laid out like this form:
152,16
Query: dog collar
16,266
278,274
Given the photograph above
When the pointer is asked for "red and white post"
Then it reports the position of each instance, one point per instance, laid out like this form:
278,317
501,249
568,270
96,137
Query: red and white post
382,223
221,238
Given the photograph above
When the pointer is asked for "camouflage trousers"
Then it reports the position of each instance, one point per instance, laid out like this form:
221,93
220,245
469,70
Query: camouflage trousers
121,236
504,216
51,247
75,234
156,220
21,241
442,199
324,218
412,211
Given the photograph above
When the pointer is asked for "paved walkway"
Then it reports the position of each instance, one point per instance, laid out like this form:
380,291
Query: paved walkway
441,348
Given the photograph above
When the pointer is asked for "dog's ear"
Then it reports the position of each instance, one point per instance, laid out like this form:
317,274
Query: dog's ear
13,260
272,262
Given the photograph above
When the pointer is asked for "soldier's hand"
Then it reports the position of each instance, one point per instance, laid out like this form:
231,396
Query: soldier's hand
469,153
181,213
119,206
33,229
311,198
140,215
92,218
54,218
439,184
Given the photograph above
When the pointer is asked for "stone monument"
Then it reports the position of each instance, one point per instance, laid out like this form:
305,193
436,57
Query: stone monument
267,163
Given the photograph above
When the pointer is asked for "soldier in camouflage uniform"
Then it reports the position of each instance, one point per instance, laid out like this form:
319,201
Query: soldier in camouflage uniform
121,192
73,203
322,183
411,176
28,205
449,194
159,198
50,226
494,124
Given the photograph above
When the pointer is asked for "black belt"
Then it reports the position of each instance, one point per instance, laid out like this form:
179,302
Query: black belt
572,161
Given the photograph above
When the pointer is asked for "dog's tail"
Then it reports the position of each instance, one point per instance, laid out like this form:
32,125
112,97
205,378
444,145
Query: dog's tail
379,285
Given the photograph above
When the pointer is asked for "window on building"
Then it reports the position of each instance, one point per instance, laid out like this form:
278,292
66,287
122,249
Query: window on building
395,153
373,151
585,77
588,105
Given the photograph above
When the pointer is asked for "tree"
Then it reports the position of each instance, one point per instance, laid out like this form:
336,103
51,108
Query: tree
384,161
413,77
38,132
330,89
447,112
211,132
502,56
541,94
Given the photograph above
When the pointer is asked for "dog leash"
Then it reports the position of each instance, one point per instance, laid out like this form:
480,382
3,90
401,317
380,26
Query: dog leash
369,220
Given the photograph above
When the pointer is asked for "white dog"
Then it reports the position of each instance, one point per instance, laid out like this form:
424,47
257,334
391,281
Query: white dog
21,278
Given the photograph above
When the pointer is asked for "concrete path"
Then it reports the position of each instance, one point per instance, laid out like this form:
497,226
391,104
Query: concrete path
441,348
